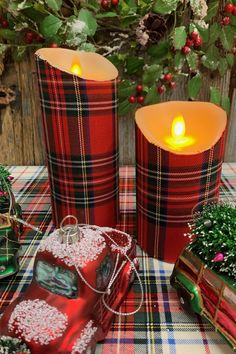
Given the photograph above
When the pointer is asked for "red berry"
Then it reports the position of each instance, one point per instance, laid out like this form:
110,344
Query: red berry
53,45
168,77
105,4
186,50
189,42
132,99
39,38
139,88
234,11
228,7
161,89
198,42
140,99
194,35
29,36
4,23
225,21
172,85
114,2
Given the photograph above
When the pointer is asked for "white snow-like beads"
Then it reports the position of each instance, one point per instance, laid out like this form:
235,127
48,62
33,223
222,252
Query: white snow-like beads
86,335
79,253
35,320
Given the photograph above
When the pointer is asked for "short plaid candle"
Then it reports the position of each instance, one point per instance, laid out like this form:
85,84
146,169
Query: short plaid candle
81,139
169,185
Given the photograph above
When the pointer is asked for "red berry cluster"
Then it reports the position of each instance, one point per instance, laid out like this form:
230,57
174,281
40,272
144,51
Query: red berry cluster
194,40
168,79
105,4
30,37
228,9
4,23
139,98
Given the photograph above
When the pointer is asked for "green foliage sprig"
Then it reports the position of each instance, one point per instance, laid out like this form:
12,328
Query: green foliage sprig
145,39
12,345
213,232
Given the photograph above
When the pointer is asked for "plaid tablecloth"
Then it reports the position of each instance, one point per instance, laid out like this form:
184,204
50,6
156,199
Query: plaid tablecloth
160,326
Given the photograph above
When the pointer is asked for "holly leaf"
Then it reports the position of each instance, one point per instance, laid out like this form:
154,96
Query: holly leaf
179,60
211,59
225,103
134,64
194,86
152,96
179,37
165,7
230,60
8,34
152,73
55,5
160,50
106,14
126,88
213,6
204,32
215,96
87,17
123,8
132,4
125,107
50,26
192,60
227,37
214,33
87,47
223,66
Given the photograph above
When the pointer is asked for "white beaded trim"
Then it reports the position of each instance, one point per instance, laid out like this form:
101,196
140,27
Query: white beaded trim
79,253
35,320
122,248
86,334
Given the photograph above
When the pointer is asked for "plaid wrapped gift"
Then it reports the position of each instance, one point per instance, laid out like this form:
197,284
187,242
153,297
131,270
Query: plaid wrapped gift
169,186
81,138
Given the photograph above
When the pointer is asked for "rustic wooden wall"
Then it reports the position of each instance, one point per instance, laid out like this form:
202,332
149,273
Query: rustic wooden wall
21,140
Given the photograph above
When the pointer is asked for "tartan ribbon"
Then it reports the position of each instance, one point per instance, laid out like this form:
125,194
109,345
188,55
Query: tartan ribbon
81,141
168,188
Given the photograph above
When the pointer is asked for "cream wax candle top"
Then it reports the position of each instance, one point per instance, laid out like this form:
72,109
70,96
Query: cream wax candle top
182,127
86,65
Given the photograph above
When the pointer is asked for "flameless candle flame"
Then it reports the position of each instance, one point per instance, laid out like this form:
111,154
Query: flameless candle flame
178,140
76,69
178,127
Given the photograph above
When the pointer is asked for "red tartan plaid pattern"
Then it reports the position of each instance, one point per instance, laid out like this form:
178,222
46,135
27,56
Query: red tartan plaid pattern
81,138
168,188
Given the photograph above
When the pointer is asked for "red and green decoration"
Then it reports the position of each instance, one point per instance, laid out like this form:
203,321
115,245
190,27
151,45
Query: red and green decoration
5,189
213,237
154,43
12,345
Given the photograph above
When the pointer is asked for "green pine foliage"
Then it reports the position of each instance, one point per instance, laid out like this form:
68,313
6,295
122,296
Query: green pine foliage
212,232
5,183
5,188
12,345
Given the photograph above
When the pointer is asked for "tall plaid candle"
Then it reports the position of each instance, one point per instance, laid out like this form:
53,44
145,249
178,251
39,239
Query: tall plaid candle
79,112
172,179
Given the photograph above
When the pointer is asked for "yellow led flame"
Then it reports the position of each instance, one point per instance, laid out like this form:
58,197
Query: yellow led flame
76,69
178,127
178,140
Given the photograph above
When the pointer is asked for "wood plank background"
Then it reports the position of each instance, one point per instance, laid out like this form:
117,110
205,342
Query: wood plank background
21,138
